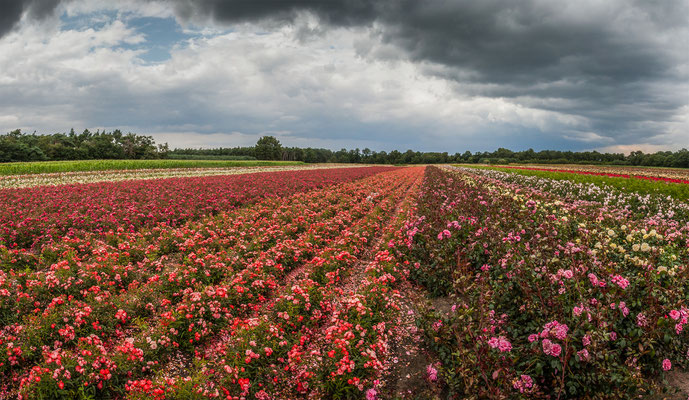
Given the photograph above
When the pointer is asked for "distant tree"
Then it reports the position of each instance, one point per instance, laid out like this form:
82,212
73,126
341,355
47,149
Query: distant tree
163,150
354,156
379,158
18,146
138,147
407,157
366,155
503,153
268,148
395,157
310,155
14,146
681,159
340,156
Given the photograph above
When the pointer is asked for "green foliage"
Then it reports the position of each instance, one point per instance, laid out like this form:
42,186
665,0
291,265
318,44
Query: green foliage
532,272
678,159
268,148
16,146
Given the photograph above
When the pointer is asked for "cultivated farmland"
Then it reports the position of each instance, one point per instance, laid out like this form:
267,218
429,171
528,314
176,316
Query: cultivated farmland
346,283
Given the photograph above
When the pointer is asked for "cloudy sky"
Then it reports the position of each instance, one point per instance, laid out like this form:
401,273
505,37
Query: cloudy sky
431,75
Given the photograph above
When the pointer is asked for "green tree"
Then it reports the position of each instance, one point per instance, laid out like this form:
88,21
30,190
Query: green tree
268,148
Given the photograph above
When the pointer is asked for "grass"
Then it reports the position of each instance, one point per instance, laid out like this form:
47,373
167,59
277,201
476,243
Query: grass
42,167
677,191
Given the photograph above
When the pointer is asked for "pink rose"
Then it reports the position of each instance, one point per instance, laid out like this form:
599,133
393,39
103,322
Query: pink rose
432,373
667,365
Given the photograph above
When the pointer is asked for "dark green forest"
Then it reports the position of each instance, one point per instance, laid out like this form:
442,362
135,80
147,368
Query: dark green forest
18,146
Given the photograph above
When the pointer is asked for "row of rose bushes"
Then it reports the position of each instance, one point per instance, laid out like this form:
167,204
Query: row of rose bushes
676,191
636,205
32,216
552,298
672,173
81,177
149,313
326,335
616,174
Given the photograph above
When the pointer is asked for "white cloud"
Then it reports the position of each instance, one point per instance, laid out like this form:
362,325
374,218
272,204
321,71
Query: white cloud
588,137
628,148
313,87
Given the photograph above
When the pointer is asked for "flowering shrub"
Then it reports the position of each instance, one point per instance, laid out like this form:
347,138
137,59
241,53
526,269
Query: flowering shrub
64,178
553,296
260,301
33,216
642,185
542,290
664,175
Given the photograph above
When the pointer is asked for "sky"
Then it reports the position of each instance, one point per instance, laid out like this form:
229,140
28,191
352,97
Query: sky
428,75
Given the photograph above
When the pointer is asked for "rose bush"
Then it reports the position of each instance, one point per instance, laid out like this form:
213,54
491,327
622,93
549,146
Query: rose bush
589,296
213,307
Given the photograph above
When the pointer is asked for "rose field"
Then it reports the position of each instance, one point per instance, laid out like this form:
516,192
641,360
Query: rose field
676,175
660,174
345,283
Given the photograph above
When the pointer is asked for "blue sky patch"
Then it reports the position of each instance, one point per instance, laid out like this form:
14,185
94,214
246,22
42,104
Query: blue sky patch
161,34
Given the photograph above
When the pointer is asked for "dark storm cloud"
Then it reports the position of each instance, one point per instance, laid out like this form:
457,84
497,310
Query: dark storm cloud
499,41
603,58
11,11
602,61
336,12
502,39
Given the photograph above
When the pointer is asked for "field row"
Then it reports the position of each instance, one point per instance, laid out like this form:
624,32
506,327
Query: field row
65,178
33,216
631,184
552,295
648,174
280,299
676,174
317,284
47,167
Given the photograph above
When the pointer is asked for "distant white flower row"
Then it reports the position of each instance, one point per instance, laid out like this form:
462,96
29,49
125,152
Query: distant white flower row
23,181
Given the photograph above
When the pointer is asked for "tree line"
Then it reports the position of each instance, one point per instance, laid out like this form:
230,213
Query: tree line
269,148
18,146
